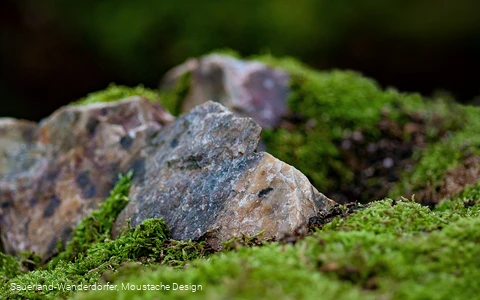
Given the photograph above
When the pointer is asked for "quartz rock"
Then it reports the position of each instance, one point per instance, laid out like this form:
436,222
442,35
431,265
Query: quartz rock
204,178
54,173
248,88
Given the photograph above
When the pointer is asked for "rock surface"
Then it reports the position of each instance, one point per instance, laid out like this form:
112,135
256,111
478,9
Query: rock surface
248,88
200,173
204,178
52,175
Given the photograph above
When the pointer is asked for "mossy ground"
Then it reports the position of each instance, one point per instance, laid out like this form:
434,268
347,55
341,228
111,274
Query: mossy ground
352,136
391,249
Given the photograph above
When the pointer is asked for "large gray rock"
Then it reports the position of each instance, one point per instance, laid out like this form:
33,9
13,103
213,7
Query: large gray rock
52,175
248,88
200,173
204,178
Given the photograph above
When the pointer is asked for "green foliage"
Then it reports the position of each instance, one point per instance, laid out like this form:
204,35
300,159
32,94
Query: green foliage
117,92
98,226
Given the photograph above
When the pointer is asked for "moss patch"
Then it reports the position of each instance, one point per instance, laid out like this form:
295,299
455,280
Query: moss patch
351,138
117,92
391,250
443,160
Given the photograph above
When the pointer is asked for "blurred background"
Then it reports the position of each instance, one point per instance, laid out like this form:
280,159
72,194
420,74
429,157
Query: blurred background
56,51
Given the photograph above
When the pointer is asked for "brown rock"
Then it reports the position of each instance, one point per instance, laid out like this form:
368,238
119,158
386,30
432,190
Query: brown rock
204,178
57,172
248,88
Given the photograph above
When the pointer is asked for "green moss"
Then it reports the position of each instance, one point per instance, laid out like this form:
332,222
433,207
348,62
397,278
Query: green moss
9,267
91,252
118,92
341,102
433,162
173,97
148,243
337,103
391,250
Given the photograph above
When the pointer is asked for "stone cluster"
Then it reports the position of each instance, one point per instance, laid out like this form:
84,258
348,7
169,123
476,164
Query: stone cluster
201,173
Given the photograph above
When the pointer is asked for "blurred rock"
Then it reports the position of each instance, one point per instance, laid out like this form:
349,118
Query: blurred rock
204,178
52,175
248,88
14,135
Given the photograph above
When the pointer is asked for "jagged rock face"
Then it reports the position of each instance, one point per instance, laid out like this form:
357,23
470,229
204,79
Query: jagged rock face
52,175
200,173
248,88
204,178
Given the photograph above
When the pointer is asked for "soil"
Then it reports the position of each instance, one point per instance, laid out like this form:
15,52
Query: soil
453,182
377,164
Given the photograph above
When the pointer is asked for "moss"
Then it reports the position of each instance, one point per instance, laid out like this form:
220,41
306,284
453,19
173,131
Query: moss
148,243
338,103
392,250
172,97
91,252
433,162
117,92
9,267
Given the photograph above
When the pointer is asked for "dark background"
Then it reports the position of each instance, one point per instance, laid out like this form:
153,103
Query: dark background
56,51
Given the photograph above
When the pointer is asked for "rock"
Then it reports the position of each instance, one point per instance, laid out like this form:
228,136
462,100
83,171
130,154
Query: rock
52,175
204,178
200,173
248,88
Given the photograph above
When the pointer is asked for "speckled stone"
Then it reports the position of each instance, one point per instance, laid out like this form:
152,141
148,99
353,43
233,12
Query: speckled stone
248,88
205,179
53,174
200,173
